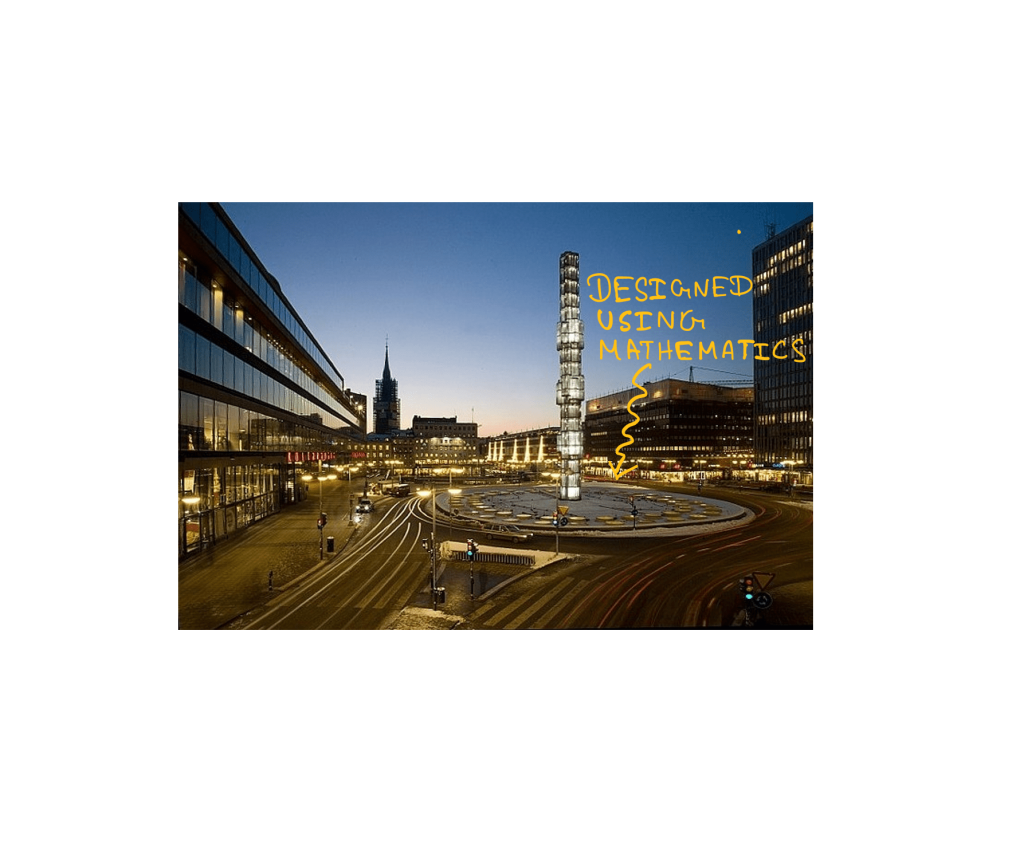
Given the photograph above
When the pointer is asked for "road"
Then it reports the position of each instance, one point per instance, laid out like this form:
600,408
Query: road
381,572
625,583
671,582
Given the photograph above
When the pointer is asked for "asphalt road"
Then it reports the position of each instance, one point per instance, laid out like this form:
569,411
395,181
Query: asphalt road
673,582
366,587
626,582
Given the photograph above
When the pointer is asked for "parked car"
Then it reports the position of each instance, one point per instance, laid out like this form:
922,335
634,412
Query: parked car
509,532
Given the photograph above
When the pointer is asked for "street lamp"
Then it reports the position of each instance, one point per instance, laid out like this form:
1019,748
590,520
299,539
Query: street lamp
320,478
700,472
432,494
455,509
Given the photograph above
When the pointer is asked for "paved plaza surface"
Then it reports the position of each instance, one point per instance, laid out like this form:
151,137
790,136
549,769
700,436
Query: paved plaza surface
605,509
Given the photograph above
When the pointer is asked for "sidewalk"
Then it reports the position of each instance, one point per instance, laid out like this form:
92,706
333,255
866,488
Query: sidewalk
232,577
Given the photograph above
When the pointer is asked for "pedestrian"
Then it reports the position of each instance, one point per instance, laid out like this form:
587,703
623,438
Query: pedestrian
270,582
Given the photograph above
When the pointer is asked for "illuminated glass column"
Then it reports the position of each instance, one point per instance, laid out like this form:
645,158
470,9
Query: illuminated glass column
569,392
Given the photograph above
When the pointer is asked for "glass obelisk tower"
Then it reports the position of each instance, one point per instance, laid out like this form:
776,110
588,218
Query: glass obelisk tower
569,392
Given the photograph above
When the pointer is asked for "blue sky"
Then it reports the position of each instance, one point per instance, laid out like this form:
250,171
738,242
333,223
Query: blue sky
467,294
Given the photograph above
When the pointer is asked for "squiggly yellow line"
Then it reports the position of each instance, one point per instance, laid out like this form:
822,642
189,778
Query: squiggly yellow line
628,425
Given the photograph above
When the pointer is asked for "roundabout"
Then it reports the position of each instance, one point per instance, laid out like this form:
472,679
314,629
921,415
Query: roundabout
605,509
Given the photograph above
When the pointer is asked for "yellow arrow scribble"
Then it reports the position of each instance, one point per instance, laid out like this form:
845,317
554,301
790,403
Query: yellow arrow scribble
617,471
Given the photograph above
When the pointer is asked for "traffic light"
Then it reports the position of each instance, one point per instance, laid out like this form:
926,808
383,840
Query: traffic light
470,548
323,518
320,523
747,588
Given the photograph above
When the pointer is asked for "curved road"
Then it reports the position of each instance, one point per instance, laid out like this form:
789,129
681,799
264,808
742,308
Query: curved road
366,587
624,582
684,581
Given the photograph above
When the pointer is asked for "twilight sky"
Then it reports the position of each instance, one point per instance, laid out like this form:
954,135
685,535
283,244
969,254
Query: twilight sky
467,294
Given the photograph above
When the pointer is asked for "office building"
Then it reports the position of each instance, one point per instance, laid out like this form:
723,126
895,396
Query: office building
259,402
783,301
443,443
683,427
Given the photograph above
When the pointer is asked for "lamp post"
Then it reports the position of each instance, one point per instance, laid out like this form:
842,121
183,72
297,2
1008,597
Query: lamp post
455,509
432,494
321,518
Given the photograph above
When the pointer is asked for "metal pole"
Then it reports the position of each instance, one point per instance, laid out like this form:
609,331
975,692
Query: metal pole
433,545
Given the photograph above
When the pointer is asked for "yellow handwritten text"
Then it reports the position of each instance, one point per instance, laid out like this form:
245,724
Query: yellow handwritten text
617,470
717,284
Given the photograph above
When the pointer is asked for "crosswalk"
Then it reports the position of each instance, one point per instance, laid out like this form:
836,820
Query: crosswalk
528,611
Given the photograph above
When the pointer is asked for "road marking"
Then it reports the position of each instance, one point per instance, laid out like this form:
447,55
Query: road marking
540,604
561,604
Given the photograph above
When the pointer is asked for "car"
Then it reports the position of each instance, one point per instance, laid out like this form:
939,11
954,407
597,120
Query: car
365,505
509,532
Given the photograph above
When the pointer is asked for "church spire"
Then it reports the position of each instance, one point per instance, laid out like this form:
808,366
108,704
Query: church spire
387,366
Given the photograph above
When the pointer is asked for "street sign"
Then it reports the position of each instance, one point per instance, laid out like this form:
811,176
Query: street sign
762,600
564,521
763,584
562,510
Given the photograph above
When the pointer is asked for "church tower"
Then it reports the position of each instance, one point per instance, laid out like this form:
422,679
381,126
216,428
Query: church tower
387,415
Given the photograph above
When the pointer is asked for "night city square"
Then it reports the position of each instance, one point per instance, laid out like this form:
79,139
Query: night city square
515,479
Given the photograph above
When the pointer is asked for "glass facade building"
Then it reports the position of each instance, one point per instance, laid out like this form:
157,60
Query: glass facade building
783,303
259,402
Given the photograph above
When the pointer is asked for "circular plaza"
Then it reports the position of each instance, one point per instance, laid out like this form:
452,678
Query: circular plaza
604,509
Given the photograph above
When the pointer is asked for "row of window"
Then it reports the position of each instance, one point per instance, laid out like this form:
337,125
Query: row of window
711,449
774,442
202,358
226,484
211,306
208,425
214,502
237,255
